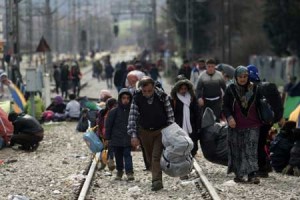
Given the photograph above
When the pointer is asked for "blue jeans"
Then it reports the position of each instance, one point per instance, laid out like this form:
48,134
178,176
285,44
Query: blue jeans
123,155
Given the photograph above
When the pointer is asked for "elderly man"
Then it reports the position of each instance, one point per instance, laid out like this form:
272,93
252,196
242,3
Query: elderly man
151,111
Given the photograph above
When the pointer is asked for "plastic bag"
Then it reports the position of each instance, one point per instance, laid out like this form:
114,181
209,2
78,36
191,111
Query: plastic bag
93,141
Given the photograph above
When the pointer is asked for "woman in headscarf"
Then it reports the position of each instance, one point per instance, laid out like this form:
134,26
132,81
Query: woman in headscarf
56,110
240,109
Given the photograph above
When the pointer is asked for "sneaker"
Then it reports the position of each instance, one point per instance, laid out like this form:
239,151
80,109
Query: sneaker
119,175
157,185
130,176
111,164
253,180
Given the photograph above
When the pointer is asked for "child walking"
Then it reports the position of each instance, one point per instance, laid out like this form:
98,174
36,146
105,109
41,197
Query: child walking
116,133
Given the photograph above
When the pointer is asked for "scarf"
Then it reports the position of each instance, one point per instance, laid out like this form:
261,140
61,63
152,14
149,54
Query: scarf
244,95
186,122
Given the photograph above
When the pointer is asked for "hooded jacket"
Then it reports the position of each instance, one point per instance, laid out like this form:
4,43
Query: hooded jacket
116,122
177,105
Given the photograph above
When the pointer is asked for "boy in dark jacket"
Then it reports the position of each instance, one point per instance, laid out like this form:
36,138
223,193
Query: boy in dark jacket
116,133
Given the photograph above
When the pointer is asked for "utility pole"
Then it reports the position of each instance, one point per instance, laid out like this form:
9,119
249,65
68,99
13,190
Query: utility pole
69,34
187,29
226,31
98,35
48,32
74,28
8,30
57,49
29,30
15,33
154,29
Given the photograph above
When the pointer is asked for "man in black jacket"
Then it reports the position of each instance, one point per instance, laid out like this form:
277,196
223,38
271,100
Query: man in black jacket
27,131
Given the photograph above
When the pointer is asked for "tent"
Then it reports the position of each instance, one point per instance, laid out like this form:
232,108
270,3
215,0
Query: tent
18,98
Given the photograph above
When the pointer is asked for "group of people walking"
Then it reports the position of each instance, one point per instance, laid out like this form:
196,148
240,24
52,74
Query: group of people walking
234,101
143,109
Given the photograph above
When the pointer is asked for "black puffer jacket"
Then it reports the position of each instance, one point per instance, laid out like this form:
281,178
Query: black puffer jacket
27,124
116,123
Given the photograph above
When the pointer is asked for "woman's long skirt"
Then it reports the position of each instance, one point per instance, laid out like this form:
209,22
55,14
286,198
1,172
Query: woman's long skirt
242,151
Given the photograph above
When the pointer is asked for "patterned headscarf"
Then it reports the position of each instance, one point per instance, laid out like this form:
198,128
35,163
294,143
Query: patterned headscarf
245,92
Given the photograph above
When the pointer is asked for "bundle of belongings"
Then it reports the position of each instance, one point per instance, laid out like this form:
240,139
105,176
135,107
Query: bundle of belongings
285,150
176,160
213,139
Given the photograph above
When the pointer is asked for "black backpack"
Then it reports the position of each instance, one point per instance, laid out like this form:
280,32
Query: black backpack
271,93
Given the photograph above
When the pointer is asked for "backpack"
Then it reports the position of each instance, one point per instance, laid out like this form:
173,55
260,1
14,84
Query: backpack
270,92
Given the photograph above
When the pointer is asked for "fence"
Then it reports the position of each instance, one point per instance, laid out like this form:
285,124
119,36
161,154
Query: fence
276,69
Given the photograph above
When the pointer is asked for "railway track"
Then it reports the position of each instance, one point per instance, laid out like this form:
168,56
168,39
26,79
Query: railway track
202,183
210,192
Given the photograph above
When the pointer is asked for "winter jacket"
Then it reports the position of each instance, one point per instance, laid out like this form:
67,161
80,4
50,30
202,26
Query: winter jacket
116,123
39,107
57,108
120,76
177,105
27,124
229,101
109,70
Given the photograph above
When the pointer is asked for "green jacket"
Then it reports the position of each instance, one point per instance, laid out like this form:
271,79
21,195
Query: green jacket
39,107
